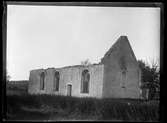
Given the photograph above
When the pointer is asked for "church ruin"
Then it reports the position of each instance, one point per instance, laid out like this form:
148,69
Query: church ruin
116,76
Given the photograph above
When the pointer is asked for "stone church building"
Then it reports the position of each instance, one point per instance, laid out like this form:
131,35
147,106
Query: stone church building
116,76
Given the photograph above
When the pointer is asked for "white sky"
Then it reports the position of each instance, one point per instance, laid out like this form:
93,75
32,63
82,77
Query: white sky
58,36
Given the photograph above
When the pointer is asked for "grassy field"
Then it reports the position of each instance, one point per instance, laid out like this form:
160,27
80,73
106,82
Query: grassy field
49,107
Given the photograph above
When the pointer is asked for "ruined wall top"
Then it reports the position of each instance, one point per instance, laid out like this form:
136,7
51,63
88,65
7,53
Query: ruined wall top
68,67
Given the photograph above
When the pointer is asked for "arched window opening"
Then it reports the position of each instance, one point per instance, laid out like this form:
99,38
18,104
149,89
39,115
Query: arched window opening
85,81
42,81
56,81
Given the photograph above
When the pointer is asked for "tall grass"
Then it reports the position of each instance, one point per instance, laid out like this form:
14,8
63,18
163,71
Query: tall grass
101,109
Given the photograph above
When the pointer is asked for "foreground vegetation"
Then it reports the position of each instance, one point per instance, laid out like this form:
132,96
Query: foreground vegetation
50,107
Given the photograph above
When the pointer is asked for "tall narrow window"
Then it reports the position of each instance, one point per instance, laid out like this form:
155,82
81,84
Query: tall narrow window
42,81
123,79
56,81
85,81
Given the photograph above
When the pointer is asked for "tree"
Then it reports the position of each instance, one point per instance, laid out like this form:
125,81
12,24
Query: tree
86,62
150,76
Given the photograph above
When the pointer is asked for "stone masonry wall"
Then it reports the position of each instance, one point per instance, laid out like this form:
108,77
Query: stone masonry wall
68,75
121,53
106,79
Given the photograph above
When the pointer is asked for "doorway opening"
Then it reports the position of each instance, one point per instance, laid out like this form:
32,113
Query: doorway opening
69,89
